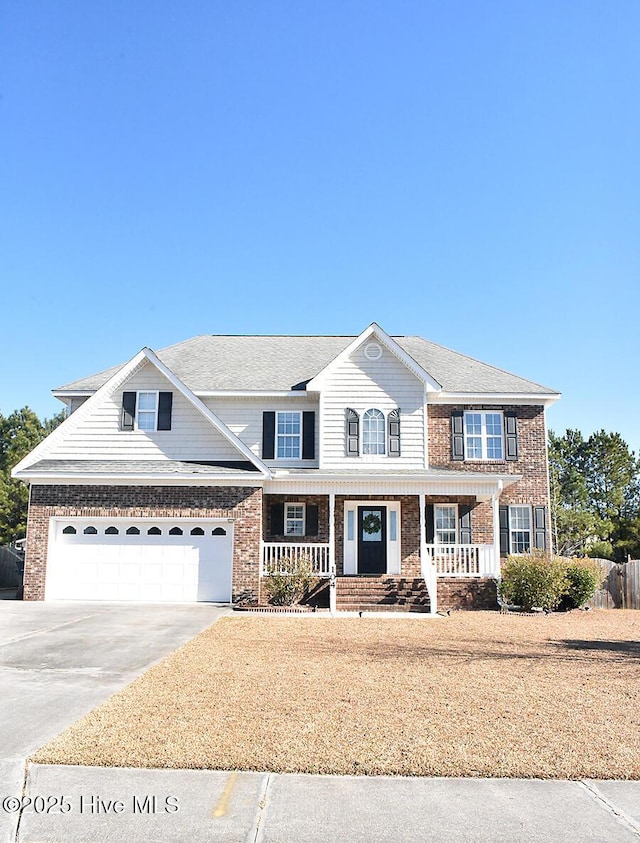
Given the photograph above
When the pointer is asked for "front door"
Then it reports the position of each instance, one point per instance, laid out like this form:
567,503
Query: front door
372,540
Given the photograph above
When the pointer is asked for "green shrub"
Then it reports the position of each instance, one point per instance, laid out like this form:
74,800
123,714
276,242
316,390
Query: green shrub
289,588
583,580
534,579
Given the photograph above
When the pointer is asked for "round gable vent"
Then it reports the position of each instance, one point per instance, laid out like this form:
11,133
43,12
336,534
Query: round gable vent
373,351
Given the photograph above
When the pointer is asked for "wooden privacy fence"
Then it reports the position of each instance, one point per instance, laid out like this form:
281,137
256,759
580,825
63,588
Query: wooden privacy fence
619,586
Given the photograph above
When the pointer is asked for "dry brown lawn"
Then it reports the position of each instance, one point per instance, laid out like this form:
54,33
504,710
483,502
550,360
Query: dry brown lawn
476,694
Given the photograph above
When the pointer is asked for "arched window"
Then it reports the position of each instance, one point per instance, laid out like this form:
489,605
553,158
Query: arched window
90,531
154,531
69,531
197,531
373,432
111,531
175,531
133,531
219,531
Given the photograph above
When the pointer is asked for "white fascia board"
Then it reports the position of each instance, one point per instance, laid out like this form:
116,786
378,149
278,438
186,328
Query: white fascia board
208,414
80,414
536,399
72,393
104,479
374,330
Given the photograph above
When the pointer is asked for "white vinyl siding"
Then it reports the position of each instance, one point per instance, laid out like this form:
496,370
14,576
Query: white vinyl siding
98,436
363,384
243,417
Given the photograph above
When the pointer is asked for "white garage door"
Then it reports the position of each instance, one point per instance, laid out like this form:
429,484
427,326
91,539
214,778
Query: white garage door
140,560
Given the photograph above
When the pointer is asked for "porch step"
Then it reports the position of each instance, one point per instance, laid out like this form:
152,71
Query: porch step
364,594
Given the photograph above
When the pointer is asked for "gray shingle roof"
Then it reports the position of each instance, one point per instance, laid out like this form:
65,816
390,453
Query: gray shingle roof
279,363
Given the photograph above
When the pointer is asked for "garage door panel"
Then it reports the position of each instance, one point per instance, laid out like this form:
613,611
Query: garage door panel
138,566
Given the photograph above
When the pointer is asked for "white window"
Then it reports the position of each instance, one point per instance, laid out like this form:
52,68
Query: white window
445,523
294,519
288,436
147,411
483,436
519,529
373,432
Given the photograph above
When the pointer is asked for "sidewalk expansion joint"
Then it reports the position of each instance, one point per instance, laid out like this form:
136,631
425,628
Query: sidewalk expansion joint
611,807
256,835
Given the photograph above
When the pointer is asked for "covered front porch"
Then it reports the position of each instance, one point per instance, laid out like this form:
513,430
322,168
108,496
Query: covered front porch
396,544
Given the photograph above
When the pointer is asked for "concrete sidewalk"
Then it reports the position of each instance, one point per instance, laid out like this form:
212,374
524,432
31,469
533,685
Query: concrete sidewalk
92,804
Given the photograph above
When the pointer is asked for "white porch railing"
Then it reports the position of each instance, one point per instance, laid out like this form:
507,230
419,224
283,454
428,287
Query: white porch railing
277,555
464,560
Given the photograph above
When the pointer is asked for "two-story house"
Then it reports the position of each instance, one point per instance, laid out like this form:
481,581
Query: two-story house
402,469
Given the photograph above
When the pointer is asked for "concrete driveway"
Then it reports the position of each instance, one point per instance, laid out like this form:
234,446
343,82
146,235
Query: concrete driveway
59,660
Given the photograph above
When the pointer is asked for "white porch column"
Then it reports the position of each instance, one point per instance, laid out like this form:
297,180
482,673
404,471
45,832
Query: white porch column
427,566
495,508
332,552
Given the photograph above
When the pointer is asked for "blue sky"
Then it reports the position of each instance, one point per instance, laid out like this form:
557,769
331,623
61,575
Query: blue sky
467,171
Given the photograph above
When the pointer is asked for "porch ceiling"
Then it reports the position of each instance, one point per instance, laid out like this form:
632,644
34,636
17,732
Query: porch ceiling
397,482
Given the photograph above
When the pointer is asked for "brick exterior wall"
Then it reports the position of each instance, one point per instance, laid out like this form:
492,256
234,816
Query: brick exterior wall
321,501
533,489
243,504
466,593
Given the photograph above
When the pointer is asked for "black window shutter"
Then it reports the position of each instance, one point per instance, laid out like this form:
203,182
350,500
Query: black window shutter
457,435
511,435
464,514
308,435
430,523
503,512
165,403
277,519
268,435
353,433
128,410
311,525
540,527
394,433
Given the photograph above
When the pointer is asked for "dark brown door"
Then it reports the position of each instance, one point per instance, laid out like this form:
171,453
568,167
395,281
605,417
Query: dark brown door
372,540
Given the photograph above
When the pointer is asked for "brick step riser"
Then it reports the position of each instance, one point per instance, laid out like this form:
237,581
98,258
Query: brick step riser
403,591
374,598
376,607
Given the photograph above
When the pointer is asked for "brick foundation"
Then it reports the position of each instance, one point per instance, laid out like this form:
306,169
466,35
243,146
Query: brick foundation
466,593
243,504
